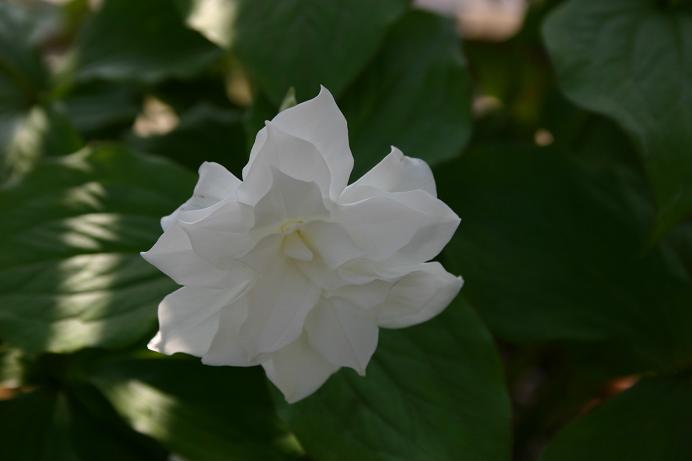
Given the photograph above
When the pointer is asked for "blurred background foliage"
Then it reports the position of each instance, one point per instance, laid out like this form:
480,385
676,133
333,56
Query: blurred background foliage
560,131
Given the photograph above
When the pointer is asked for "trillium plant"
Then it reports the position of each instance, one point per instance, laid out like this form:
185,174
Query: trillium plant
293,295
294,269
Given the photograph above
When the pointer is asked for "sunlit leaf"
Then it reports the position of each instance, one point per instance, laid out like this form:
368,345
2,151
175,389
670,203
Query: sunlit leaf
46,425
200,412
70,271
34,134
28,130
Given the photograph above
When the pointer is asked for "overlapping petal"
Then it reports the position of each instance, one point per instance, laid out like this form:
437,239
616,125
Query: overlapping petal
345,334
278,304
298,370
331,242
215,184
288,200
319,122
226,347
172,254
189,318
395,173
222,236
412,224
288,154
418,296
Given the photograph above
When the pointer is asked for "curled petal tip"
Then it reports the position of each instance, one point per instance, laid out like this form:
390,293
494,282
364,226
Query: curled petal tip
154,344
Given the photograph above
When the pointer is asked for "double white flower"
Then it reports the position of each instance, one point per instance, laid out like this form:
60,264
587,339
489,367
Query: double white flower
292,269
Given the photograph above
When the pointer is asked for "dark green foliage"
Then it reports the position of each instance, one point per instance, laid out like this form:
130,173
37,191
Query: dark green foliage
632,60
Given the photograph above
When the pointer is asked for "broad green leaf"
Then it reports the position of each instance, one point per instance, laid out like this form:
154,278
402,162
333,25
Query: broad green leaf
11,367
27,130
415,95
97,108
46,425
550,251
26,137
305,43
431,392
204,133
632,60
143,41
200,412
650,421
22,75
70,271
210,88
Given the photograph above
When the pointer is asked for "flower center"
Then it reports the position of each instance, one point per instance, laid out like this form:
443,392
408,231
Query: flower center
290,226
293,244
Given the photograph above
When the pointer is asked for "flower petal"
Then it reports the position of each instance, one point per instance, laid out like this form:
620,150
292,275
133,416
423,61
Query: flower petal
294,247
418,296
317,272
227,348
288,198
215,183
331,242
344,334
298,370
414,225
288,154
437,226
319,122
189,318
172,254
223,236
366,295
278,303
395,173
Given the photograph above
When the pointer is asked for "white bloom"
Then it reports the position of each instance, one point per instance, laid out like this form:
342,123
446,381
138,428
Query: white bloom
292,269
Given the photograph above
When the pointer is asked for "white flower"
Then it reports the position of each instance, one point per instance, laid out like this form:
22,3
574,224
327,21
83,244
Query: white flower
292,269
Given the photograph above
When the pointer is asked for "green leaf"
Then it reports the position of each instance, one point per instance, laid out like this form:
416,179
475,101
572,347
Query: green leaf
143,41
29,136
70,271
27,130
432,392
650,421
202,413
415,95
47,425
305,43
631,60
98,108
22,75
204,133
550,251
12,367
